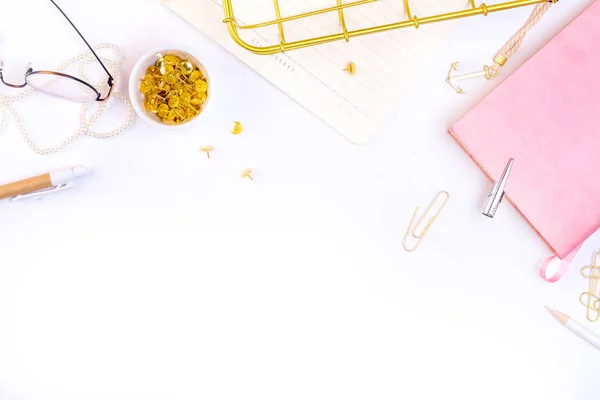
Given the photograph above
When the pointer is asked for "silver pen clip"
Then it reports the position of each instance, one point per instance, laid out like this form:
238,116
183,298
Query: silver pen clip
41,193
495,197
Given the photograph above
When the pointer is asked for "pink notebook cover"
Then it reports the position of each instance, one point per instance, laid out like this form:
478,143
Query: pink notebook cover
547,117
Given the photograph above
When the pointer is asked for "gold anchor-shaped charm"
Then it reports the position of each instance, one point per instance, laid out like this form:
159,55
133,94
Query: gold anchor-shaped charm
488,72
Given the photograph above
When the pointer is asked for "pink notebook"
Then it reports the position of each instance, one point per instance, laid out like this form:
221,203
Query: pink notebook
547,117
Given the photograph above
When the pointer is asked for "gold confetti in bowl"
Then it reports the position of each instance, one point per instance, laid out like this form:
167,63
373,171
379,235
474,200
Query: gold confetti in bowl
137,97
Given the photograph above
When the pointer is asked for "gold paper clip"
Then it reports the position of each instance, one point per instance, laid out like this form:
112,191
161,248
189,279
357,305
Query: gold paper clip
419,232
591,272
591,303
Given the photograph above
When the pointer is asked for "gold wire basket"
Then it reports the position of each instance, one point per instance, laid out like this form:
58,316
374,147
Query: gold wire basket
345,34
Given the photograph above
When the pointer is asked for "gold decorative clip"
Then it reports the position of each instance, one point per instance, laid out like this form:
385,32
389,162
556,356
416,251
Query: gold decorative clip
488,73
419,231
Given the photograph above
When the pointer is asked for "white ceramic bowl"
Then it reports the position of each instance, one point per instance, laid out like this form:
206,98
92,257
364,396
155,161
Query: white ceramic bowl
138,72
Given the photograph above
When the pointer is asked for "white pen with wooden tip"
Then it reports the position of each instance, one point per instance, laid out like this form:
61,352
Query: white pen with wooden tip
576,328
40,185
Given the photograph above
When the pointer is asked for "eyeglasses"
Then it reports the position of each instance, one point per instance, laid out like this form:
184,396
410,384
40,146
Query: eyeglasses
62,85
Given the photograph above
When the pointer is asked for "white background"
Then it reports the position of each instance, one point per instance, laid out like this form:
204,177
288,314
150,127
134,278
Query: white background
165,275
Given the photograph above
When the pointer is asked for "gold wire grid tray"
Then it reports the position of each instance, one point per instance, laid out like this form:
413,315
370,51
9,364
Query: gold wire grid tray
410,20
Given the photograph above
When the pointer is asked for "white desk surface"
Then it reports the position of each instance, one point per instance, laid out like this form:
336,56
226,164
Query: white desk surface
164,275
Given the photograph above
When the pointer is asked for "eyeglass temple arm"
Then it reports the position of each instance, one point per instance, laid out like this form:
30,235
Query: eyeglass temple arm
110,78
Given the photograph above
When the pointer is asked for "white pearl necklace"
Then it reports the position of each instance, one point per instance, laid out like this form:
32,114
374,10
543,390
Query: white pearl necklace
86,122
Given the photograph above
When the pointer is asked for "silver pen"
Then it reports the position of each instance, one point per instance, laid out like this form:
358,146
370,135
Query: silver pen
495,197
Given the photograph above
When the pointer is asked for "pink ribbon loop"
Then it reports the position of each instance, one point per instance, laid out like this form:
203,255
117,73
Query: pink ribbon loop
562,270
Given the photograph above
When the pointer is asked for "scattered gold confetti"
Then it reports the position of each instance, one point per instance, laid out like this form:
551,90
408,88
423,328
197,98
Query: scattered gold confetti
247,174
236,128
207,150
351,68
